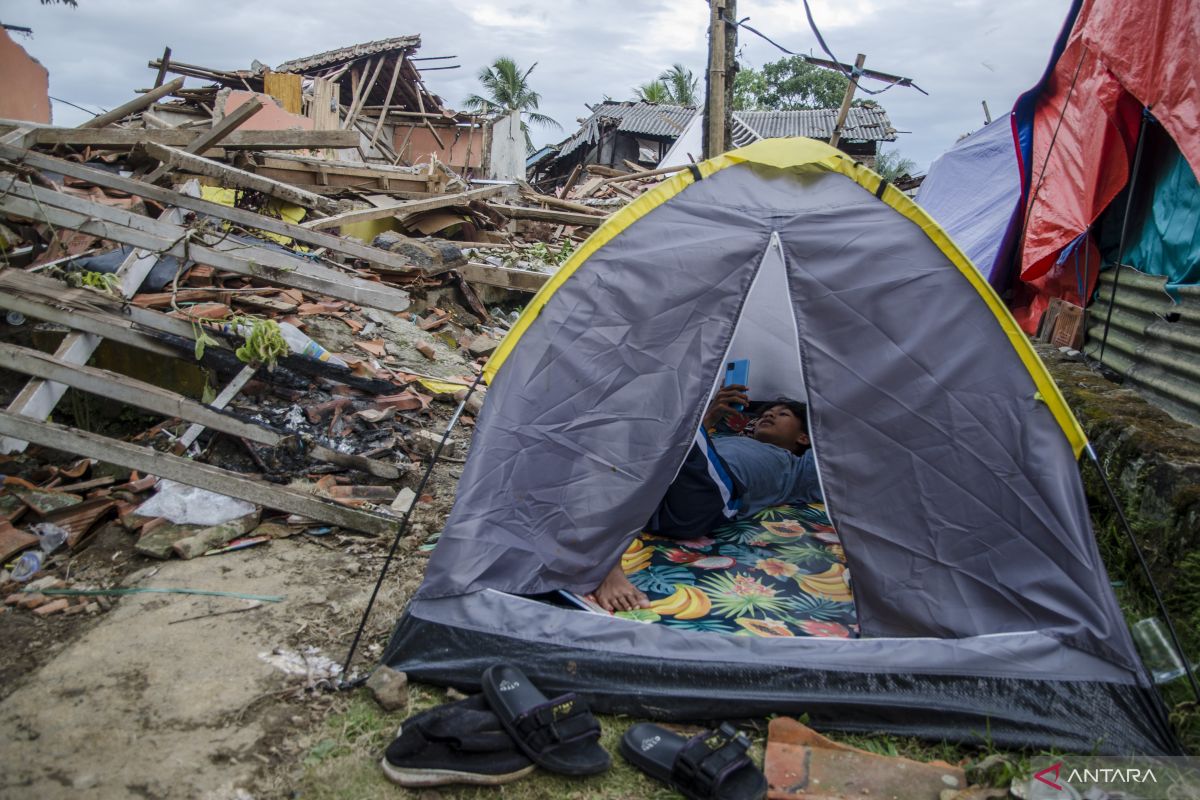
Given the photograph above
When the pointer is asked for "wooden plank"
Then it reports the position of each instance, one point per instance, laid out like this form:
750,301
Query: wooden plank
105,325
218,132
133,392
219,402
519,280
403,209
566,205
136,104
387,100
128,138
572,179
345,246
137,231
649,173
37,398
548,215
182,470
357,105
232,176
163,63
284,87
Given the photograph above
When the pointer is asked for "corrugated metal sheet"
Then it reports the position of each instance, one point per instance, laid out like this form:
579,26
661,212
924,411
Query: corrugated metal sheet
1152,341
645,119
862,123
344,54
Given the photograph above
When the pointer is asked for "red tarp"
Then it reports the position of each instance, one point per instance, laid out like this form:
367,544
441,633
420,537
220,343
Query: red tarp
1119,57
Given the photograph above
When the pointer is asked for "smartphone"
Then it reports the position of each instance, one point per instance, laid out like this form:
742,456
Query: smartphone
737,373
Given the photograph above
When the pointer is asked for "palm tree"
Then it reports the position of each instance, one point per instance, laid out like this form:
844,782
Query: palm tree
654,92
681,84
508,90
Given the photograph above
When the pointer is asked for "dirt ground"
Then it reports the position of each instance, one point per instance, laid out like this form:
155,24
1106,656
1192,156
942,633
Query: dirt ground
168,695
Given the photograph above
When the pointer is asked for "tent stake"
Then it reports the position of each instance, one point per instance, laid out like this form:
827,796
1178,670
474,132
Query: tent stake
1162,609
1112,298
343,684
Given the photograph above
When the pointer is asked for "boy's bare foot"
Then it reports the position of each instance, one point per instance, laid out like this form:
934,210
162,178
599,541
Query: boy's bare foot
616,593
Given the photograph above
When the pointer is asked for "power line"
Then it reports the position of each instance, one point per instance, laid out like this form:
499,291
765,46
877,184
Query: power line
847,70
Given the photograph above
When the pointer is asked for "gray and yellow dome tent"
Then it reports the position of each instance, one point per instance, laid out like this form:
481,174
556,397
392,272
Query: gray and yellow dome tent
947,456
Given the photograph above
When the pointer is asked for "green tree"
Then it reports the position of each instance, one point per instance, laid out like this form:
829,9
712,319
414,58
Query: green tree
506,90
789,84
749,86
891,166
676,86
682,84
654,92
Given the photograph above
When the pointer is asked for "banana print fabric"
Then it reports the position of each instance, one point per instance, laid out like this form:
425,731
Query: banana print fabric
781,572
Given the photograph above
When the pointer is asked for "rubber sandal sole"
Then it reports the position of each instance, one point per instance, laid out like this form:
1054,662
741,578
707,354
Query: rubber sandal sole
417,778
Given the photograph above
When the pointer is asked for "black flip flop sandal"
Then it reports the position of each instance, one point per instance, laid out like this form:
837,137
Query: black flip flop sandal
560,735
459,742
710,766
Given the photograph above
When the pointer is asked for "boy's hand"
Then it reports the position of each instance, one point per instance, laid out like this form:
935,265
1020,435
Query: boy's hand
723,404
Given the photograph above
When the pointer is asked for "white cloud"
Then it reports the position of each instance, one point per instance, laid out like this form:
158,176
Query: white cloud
961,51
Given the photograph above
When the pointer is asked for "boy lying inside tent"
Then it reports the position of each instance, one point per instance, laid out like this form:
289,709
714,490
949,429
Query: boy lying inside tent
727,477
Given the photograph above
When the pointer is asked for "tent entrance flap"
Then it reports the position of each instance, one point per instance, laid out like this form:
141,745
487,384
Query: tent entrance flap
766,331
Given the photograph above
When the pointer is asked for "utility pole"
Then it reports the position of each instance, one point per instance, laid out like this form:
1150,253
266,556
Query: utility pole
717,89
849,96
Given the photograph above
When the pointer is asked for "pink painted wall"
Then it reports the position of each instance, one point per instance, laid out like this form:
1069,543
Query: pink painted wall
272,117
26,84
421,143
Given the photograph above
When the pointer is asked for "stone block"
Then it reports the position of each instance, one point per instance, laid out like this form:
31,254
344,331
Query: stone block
389,688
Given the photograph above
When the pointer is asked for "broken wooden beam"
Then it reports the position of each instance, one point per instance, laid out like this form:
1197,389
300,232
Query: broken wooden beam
128,138
191,473
136,104
249,219
240,178
215,134
548,215
130,391
530,194
90,311
62,210
519,280
403,209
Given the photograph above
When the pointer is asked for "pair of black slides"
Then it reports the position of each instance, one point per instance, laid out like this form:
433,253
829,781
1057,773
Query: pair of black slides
512,728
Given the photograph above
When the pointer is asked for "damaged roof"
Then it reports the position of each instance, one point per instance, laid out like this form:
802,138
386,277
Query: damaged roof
637,117
866,123
351,53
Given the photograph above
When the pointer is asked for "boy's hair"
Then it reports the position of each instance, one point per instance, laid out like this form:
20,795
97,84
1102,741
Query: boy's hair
795,406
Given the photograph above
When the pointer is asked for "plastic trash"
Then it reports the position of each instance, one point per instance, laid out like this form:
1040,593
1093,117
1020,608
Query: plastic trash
296,341
187,505
50,536
299,343
14,318
27,566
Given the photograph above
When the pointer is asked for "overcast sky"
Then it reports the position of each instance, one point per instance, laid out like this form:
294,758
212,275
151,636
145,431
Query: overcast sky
960,51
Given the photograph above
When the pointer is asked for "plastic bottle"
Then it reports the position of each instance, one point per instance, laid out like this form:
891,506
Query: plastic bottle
50,536
27,566
299,343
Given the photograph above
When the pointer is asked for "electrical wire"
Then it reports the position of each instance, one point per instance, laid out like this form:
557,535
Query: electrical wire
853,74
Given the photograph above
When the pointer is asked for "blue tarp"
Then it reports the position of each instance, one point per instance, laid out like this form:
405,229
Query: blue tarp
973,191
1166,238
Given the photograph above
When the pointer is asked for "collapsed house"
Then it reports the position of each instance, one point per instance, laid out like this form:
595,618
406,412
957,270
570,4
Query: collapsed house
292,263
635,134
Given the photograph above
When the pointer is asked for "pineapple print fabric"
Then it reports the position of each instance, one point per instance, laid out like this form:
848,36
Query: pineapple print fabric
780,573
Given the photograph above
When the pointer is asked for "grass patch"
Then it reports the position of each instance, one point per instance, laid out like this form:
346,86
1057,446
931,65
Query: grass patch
344,764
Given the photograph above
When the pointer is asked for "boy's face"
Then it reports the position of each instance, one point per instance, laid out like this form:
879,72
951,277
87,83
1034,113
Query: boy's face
782,428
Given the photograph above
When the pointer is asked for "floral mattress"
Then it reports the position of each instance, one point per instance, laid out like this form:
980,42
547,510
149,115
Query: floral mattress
780,573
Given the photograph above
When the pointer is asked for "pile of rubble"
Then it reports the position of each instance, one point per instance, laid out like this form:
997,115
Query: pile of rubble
270,267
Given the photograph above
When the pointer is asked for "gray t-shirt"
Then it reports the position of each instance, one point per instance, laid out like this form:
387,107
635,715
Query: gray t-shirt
769,475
